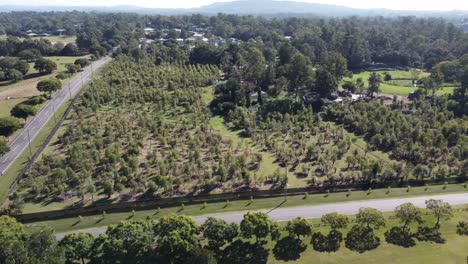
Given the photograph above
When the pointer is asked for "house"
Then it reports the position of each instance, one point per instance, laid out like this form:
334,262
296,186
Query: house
61,31
254,95
148,30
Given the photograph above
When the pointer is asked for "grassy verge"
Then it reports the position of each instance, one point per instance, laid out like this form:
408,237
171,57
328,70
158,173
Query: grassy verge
9,177
455,250
69,224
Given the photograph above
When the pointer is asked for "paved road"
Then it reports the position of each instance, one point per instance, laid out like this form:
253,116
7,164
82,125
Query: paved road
32,128
316,211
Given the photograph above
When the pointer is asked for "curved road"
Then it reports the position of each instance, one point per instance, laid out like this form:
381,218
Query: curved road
316,211
32,128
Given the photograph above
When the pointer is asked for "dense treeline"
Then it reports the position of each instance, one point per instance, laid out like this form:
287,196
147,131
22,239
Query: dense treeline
405,41
178,239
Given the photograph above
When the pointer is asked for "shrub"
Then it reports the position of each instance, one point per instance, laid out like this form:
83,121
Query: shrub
361,238
62,76
329,243
462,228
400,236
425,233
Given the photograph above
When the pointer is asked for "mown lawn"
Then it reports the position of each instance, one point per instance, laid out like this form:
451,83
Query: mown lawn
401,83
454,251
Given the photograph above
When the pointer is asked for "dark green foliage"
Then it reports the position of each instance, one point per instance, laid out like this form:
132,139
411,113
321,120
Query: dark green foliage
45,65
8,125
23,111
77,246
329,243
83,62
218,232
289,248
400,236
425,233
298,227
411,133
361,238
258,225
462,228
49,86
240,252
3,147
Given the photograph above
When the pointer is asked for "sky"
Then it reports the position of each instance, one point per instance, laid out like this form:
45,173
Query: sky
390,4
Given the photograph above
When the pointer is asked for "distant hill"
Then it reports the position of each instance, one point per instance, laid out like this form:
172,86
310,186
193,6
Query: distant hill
244,7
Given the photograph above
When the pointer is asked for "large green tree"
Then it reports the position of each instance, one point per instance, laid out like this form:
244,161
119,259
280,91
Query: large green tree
375,79
218,232
45,65
258,225
440,209
77,246
370,217
49,86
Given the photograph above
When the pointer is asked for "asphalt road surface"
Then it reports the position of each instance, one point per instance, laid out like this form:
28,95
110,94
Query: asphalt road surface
32,128
316,211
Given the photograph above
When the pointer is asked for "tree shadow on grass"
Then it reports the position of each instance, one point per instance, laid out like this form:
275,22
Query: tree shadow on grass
240,252
289,248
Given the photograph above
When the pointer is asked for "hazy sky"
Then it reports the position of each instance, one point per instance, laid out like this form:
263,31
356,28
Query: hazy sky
391,4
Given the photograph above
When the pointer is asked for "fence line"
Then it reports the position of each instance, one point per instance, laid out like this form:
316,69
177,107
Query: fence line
154,203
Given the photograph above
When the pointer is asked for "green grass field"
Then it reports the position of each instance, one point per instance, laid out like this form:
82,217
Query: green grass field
54,39
454,251
401,83
69,224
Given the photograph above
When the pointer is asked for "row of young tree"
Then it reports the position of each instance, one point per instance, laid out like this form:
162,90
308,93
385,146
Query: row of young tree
178,239
156,140
422,133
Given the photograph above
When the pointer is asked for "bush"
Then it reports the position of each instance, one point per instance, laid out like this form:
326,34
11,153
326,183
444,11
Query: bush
361,238
330,243
62,76
462,228
289,248
73,68
36,100
23,111
400,236
429,234
82,62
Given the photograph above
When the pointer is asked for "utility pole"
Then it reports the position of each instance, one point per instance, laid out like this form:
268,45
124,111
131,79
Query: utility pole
30,151
53,109
69,89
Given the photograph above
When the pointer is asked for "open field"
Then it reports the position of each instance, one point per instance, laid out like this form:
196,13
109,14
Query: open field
401,83
54,39
69,224
20,91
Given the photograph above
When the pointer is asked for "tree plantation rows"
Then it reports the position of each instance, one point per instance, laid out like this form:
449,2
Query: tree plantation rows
257,239
140,129
422,135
